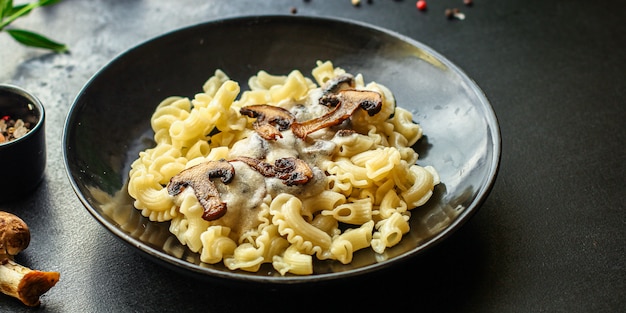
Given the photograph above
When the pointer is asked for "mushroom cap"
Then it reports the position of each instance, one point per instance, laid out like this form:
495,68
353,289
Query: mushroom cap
14,234
199,177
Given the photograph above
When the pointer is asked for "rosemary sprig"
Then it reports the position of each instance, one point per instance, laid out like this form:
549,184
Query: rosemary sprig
9,13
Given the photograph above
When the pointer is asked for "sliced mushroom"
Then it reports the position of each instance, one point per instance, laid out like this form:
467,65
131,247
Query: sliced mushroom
270,120
262,167
345,103
345,132
291,171
337,83
199,177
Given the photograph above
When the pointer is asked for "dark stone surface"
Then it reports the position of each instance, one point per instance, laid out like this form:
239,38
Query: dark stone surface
550,238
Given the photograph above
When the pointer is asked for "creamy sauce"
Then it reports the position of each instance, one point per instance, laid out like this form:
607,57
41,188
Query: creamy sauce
245,194
243,197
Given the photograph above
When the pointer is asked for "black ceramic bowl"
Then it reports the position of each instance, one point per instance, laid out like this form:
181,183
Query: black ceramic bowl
109,123
23,159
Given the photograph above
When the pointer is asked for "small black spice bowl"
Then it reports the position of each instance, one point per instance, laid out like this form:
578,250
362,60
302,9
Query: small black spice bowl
22,142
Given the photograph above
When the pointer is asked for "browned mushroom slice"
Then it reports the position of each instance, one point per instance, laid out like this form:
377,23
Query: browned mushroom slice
345,132
345,103
263,168
270,120
199,177
291,171
335,84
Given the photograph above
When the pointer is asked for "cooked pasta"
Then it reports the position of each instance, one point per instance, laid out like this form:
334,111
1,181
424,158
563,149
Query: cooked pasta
280,194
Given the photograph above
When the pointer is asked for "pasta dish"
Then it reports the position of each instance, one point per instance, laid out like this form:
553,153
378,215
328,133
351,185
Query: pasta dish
291,171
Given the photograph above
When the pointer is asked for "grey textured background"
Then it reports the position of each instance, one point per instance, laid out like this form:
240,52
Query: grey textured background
551,237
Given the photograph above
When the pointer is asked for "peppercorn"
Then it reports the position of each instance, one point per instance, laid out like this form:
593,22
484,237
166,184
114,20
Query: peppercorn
421,5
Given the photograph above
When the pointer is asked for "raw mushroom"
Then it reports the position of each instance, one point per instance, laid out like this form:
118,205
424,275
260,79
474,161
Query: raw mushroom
345,103
16,280
14,235
199,177
270,120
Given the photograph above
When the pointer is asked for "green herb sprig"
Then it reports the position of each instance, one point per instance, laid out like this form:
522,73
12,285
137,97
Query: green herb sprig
9,13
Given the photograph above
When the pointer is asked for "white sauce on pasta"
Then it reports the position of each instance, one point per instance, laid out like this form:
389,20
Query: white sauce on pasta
364,184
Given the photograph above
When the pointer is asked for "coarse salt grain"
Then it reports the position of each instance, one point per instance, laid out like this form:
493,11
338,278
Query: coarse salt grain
11,129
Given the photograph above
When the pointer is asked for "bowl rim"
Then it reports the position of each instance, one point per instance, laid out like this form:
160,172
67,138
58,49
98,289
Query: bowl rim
182,266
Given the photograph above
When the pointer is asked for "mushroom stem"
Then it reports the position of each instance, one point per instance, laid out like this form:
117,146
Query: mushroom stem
16,280
25,284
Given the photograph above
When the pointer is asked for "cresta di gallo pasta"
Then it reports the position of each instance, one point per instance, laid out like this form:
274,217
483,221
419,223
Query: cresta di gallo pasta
292,170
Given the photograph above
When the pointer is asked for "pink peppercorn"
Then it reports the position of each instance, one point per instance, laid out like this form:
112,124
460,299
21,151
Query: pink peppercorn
421,5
